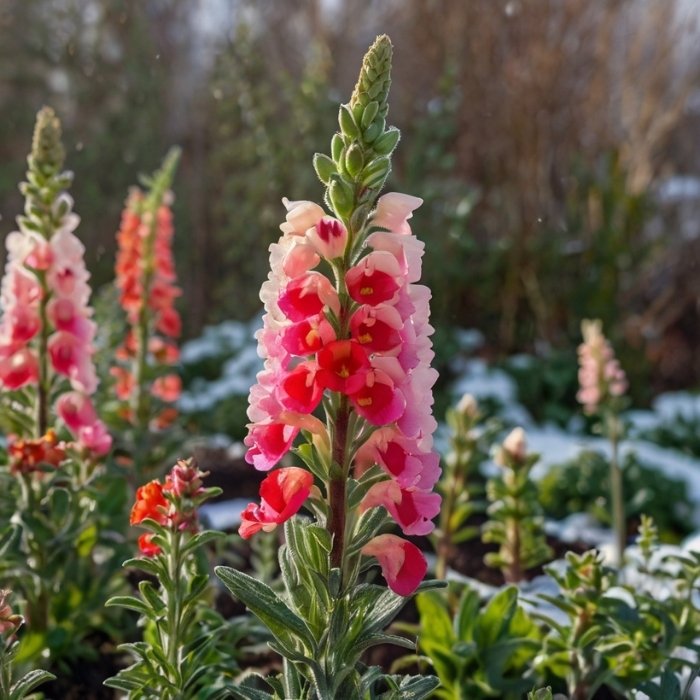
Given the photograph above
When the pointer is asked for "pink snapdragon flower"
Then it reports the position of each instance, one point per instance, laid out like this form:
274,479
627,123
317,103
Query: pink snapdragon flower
366,339
600,376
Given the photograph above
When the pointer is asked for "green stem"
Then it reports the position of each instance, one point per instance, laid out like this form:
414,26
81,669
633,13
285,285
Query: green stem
43,383
338,484
455,481
174,605
616,493
513,571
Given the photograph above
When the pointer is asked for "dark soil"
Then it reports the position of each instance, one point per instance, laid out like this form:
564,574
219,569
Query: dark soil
83,680
467,558
233,475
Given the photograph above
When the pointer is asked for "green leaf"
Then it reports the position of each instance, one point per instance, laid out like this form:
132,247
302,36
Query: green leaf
150,566
372,640
496,617
202,538
412,688
129,602
60,503
467,612
25,685
435,620
264,603
151,596
245,693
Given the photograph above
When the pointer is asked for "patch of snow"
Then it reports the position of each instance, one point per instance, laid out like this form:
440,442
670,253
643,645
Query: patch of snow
223,515
482,381
641,421
220,339
679,188
678,404
691,543
579,527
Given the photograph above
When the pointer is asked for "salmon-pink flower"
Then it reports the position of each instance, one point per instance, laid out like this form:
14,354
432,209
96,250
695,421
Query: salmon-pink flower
150,503
70,357
401,457
403,564
27,456
75,409
23,323
95,438
9,622
125,382
342,366
301,216
282,493
147,546
394,210
167,388
299,259
600,376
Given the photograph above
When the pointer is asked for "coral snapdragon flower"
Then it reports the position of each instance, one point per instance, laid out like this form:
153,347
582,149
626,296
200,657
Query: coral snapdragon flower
282,493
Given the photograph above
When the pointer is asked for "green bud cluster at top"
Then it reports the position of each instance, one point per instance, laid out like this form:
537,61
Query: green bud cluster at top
160,182
45,181
360,159
48,154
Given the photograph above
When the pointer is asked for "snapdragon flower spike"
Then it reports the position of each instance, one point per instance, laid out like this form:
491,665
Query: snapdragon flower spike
146,279
382,364
600,376
47,331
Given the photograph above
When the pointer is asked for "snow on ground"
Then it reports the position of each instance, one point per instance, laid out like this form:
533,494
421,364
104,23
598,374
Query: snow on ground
231,339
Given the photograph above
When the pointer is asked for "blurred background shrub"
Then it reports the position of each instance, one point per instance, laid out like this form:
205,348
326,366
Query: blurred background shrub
552,142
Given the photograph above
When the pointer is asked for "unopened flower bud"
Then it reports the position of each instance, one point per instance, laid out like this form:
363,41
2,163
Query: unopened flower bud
468,406
185,479
515,445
